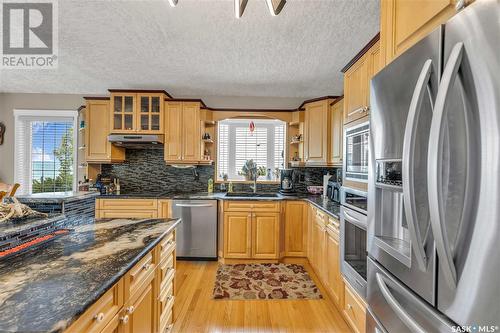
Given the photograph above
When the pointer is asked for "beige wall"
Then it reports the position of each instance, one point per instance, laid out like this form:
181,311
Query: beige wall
9,102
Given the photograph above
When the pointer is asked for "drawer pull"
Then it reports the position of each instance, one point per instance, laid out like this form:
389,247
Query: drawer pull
169,328
124,319
130,309
349,307
169,298
99,317
146,267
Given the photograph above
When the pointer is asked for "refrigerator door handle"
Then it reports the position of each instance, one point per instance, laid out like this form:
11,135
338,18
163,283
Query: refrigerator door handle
408,164
434,166
398,309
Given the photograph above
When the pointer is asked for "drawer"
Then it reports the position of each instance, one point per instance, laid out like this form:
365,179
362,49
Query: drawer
126,214
333,221
166,306
255,206
139,274
166,246
333,231
166,271
101,312
128,204
320,217
354,310
166,323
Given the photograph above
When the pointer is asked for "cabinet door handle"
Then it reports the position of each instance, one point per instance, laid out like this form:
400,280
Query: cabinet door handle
146,267
124,319
99,317
130,309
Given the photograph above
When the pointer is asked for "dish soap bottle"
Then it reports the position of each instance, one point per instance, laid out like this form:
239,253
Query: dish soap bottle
230,187
210,185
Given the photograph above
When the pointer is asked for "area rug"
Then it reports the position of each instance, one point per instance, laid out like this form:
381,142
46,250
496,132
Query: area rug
264,281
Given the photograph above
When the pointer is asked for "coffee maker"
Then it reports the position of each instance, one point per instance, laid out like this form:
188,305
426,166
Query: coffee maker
286,182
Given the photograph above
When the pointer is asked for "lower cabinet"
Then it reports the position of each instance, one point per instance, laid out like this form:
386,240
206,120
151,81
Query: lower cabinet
333,277
354,309
251,231
108,208
265,235
238,235
295,226
141,301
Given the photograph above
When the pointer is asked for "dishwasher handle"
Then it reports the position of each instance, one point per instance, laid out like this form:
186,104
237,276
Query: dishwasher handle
193,205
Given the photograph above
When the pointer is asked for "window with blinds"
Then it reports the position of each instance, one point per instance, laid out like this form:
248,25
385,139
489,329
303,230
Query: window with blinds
237,144
45,152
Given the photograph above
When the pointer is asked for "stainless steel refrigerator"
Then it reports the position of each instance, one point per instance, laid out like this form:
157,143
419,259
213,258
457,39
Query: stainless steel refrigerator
434,181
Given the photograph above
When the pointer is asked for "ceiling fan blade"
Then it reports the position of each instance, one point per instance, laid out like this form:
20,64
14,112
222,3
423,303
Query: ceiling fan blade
275,6
239,7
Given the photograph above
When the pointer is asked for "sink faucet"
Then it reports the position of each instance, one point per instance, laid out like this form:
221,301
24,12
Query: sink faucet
254,186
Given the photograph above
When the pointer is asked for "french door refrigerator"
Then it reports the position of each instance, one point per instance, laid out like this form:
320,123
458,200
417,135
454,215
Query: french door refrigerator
434,181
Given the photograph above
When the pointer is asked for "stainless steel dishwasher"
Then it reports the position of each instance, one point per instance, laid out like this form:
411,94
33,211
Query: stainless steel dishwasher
196,235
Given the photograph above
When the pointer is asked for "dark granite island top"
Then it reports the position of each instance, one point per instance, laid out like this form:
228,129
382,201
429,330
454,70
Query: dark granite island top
46,289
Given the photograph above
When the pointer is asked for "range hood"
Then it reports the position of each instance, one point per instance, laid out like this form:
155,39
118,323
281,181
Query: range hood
136,141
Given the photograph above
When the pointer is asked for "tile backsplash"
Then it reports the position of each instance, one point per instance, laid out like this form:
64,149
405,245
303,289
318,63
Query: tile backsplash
145,171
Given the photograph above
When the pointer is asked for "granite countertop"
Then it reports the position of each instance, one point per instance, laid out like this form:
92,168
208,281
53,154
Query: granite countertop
58,281
56,197
328,206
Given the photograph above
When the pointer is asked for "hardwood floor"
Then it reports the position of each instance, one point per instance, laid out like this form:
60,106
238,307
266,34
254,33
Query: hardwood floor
196,311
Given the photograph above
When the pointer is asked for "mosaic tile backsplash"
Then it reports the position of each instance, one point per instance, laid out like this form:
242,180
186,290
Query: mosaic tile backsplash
145,171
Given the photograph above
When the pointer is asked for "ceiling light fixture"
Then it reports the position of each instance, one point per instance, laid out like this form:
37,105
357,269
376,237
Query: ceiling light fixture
239,7
173,3
275,6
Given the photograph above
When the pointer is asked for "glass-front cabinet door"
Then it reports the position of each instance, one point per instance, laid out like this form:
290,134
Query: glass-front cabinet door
123,113
150,113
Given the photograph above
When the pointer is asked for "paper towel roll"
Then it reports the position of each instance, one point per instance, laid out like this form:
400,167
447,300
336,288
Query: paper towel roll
325,183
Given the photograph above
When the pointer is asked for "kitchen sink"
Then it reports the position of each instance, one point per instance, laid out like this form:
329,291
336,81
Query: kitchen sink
251,195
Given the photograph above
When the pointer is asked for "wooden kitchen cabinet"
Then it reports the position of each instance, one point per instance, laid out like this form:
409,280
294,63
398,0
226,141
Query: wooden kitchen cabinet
319,242
98,149
164,208
173,131
238,235
251,230
141,301
337,132
403,23
137,112
356,90
141,310
265,235
357,83
317,133
127,208
123,112
191,132
183,133
296,231
150,113
333,277
354,309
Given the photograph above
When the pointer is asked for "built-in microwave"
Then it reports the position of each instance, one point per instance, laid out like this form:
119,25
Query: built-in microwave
356,149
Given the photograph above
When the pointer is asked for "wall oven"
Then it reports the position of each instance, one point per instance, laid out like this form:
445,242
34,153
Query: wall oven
356,140
353,224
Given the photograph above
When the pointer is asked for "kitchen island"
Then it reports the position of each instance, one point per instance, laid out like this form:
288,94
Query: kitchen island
48,288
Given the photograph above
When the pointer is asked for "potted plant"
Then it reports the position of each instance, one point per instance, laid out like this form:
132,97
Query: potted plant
250,170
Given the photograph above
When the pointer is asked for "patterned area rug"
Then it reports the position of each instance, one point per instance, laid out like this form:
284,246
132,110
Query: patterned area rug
264,281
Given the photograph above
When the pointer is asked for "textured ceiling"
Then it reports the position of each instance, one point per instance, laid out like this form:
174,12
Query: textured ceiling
199,49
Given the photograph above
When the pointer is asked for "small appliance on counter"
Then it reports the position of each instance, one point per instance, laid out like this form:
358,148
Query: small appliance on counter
333,190
286,182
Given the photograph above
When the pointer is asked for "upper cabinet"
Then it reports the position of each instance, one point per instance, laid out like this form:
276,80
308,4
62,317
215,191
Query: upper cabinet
337,135
357,78
323,132
97,147
183,137
137,112
317,132
403,23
